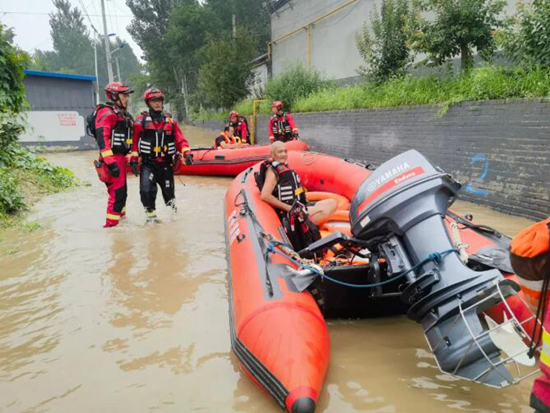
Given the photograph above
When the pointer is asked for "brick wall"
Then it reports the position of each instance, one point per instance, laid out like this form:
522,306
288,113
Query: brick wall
498,149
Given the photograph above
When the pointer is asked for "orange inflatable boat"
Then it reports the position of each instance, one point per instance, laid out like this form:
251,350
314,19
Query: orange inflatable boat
391,247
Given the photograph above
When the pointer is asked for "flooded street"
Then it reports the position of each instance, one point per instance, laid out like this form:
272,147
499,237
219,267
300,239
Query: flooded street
135,319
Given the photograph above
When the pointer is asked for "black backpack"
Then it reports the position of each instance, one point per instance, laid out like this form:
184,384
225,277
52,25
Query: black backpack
91,119
259,176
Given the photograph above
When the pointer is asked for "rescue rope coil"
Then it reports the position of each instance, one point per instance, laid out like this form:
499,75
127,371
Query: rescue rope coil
435,257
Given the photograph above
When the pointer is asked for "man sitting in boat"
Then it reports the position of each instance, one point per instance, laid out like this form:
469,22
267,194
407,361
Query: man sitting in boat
282,189
281,125
228,140
239,125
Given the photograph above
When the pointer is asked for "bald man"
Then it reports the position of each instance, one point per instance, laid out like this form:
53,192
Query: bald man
282,188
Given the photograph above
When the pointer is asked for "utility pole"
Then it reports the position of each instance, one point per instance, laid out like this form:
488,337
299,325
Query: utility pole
96,74
234,27
107,45
118,70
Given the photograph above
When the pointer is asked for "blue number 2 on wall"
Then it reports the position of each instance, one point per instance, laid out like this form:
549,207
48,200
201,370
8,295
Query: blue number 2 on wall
480,157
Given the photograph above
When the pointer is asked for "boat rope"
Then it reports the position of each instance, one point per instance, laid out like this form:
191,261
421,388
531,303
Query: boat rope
435,257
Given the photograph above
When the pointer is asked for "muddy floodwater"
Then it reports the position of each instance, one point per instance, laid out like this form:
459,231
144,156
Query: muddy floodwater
135,319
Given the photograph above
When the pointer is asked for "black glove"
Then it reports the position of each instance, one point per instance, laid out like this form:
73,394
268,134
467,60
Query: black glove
114,170
134,166
189,159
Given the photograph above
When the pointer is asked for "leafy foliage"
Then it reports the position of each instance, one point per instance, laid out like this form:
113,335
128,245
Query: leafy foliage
74,48
460,27
14,159
526,39
478,84
385,51
11,199
173,35
295,83
225,75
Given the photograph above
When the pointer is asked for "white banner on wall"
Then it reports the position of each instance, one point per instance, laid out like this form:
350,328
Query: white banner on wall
53,126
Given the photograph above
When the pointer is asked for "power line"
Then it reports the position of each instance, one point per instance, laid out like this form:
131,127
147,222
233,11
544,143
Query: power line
88,16
47,14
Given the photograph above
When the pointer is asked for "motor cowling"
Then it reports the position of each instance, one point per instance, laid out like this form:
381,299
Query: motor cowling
399,211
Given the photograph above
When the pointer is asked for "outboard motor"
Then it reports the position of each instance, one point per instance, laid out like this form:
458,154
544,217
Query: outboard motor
399,211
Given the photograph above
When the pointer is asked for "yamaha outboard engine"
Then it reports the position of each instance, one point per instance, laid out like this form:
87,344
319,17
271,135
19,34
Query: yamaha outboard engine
400,210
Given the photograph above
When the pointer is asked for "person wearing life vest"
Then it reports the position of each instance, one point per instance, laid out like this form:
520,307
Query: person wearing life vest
113,132
228,140
160,144
281,125
239,125
283,190
530,258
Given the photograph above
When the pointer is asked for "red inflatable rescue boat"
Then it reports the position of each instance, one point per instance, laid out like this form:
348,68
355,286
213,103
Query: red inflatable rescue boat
392,247
231,162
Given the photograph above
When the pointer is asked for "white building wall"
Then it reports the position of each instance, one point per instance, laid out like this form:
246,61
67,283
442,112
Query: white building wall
261,76
333,48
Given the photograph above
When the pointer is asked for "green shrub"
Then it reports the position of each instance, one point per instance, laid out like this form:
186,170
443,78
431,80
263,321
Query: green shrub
526,39
385,51
295,83
11,199
244,107
479,84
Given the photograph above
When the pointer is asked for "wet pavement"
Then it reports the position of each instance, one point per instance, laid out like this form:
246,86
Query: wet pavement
135,319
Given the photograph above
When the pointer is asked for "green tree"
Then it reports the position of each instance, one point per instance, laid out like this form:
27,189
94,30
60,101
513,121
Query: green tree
386,51
526,39
149,28
190,24
225,75
251,15
8,35
460,28
73,50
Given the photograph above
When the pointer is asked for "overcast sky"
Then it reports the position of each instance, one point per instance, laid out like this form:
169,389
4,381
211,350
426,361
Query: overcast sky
30,21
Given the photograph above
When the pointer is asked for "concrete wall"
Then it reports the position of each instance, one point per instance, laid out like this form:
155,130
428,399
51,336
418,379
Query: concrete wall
499,150
261,76
58,107
333,40
334,52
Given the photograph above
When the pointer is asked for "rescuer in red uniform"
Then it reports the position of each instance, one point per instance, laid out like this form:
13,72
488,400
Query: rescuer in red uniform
239,125
228,140
160,144
281,125
530,258
113,132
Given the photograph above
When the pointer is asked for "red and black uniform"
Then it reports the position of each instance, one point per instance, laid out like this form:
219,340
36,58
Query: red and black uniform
114,137
241,128
222,137
289,187
158,139
282,128
530,258
300,230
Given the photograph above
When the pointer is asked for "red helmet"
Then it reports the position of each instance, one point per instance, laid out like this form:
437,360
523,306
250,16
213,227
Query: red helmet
277,104
153,93
112,90
233,113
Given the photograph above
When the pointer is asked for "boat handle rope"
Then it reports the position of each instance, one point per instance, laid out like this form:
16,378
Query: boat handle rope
435,257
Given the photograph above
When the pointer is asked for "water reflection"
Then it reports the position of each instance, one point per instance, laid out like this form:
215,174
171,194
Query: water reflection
136,319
